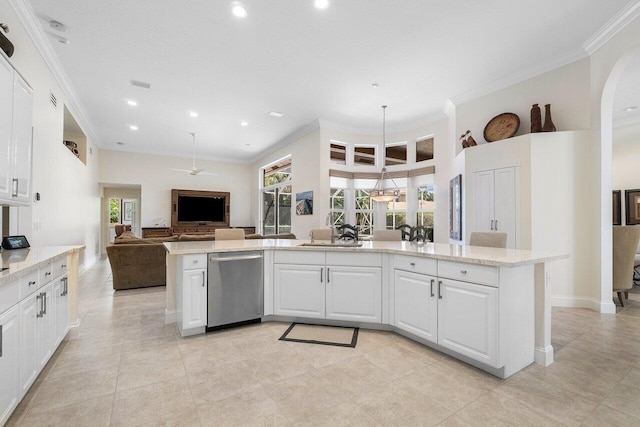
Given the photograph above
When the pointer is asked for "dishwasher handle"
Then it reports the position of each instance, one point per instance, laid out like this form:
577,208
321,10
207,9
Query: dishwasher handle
235,258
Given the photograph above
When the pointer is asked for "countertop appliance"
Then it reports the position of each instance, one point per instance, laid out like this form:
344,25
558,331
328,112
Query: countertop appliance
235,288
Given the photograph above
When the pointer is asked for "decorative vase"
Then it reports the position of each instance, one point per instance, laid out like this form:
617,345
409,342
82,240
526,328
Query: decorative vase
536,119
548,123
471,142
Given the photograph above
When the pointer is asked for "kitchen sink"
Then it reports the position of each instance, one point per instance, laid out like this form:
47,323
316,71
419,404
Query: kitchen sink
333,245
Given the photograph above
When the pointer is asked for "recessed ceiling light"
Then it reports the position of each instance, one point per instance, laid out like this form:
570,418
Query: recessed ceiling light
133,127
321,4
243,123
276,114
58,26
375,85
60,39
630,108
132,102
238,10
193,114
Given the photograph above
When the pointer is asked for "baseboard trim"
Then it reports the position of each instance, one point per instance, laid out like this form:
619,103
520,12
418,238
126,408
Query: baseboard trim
170,316
576,302
543,356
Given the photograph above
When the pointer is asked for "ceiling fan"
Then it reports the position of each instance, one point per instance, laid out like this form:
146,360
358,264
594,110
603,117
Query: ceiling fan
194,170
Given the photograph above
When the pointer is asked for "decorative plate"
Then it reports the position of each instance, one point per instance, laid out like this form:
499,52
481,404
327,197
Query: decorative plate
502,126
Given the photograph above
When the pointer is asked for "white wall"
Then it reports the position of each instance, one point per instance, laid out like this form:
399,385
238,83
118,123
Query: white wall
153,175
68,212
565,88
625,169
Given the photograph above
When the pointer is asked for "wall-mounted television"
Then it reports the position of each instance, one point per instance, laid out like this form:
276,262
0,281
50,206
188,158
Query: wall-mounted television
199,208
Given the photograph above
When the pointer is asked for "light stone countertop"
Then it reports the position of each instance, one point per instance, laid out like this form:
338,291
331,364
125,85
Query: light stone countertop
441,251
23,261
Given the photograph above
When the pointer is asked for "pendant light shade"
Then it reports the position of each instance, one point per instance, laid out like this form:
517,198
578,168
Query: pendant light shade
379,193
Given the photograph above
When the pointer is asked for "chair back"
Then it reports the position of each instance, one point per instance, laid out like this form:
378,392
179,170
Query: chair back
406,231
625,244
387,235
320,234
489,240
229,234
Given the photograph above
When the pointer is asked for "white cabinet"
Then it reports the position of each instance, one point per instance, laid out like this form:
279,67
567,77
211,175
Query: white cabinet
328,285
468,320
299,290
15,137
495,202
354,293
416,304
9,363
44,327
29,318
194,304
61,310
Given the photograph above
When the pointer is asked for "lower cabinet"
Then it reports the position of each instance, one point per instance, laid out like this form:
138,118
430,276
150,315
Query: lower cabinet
9,362
29,318
194,304
416,304
354,293
456,315
61,310
299,290
468,321
45,327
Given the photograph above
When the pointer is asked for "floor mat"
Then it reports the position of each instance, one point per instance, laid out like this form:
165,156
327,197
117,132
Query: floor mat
320,334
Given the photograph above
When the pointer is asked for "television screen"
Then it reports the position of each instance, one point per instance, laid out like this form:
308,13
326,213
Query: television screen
200,209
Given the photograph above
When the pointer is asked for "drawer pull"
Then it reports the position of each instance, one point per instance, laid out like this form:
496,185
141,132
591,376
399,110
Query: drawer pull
63,266
463,271
47,274
413,264
32,283
195,261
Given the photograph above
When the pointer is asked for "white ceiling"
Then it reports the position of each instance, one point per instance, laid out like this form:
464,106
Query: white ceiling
288,56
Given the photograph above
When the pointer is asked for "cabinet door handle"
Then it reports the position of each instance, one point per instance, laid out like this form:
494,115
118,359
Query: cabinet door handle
412,264
321,272
491,225
328,275
44,300
463,271
47,274
0,340
32,283
432,280
39,297
63,266
439,292
496,225
203,279
14,193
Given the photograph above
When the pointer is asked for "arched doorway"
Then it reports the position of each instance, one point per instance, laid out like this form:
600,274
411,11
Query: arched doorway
606,159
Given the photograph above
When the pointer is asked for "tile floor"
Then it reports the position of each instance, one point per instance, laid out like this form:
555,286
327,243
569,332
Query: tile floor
127,368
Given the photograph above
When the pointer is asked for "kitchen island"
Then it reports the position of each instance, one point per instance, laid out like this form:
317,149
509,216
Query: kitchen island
488,307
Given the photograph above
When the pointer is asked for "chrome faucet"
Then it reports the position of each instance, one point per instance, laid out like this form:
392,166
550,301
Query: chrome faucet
330,225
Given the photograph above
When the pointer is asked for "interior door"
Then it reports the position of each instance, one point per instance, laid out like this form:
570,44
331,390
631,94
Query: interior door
505,204
483,201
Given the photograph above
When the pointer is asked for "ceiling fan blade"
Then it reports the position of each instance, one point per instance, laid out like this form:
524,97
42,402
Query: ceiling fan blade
207,173
180,170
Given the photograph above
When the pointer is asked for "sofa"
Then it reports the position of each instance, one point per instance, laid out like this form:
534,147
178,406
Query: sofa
141,263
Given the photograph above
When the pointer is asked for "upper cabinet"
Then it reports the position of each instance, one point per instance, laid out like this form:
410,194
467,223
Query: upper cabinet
16,109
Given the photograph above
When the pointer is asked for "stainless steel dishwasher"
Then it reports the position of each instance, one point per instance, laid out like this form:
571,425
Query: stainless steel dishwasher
235,288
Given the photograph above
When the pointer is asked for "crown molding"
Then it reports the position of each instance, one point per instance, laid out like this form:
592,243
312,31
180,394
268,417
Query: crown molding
293,137
177,155
449,108
520,76
613,27
406,127
34,30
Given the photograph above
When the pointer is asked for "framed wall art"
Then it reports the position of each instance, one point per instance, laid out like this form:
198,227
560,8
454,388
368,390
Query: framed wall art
617,207
632,208
304,203
455,208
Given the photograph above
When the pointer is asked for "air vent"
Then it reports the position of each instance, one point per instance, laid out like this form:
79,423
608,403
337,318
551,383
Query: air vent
141,84
53,100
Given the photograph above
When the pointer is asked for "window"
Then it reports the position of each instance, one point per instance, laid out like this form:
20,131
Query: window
114,211
425,207
397,211
395,154
276,197
338,153
424,149
364,212
364,155
337,206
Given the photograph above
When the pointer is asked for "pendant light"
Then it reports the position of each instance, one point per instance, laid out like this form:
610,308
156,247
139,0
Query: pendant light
379,193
